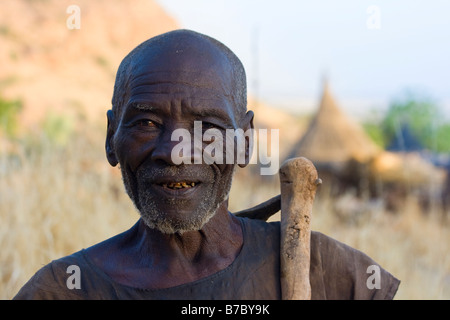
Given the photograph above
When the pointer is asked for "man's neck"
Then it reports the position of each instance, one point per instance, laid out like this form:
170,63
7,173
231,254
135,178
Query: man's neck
146,258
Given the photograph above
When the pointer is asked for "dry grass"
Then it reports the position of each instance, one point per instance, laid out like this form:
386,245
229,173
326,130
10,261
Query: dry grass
54,201
411,245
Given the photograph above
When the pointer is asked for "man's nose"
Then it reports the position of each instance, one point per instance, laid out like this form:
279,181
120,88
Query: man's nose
177,147
163,150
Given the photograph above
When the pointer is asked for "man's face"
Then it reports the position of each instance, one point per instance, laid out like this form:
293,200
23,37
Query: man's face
168,92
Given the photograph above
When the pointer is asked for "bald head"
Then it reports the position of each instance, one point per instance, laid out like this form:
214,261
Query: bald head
198,59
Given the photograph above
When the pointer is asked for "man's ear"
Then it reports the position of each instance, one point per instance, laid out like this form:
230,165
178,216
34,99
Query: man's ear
249,138
109,145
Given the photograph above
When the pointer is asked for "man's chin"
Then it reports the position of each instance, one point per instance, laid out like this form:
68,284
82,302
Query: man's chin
170,225
181,210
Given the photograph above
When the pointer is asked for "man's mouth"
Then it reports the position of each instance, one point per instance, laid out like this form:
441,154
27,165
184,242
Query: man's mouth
179,185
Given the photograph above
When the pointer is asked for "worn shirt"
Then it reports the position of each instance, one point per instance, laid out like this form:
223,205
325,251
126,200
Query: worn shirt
337,271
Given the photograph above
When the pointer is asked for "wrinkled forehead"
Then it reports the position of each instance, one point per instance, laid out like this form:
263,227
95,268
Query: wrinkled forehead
190,61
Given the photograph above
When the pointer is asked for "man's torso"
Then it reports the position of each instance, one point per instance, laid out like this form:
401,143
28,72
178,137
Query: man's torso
337,271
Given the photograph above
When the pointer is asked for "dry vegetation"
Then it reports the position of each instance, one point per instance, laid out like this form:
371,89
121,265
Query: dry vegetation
410,244
56,200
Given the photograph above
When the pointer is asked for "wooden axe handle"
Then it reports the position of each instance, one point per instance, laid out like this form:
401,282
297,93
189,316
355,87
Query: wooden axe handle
298,182
262,211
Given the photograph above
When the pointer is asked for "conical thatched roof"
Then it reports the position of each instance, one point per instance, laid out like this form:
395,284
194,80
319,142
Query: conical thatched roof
334,137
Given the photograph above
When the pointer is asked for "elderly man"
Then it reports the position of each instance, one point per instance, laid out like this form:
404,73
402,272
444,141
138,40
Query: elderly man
186,244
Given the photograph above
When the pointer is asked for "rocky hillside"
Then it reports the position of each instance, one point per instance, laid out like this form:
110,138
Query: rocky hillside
49,66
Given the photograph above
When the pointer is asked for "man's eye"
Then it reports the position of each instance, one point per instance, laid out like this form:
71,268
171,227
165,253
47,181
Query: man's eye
145,123
208,125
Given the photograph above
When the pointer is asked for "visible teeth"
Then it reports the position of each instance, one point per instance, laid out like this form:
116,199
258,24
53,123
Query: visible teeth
178,185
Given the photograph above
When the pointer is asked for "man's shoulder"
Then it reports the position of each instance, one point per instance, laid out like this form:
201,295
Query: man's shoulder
72,277
319,242
51,281
258,226
272,229
343,272
337,270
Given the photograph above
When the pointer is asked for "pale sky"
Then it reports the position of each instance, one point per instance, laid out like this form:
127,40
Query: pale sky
371,51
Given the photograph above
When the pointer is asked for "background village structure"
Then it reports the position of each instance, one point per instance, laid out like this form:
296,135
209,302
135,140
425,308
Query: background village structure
348,159
58,194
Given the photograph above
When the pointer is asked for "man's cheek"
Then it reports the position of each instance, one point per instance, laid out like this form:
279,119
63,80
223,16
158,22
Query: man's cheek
130,153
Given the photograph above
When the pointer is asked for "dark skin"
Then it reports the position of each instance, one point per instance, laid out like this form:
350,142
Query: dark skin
176,88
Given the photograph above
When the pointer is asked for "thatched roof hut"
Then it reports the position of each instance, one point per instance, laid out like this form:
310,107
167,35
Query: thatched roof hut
334,137
345,156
